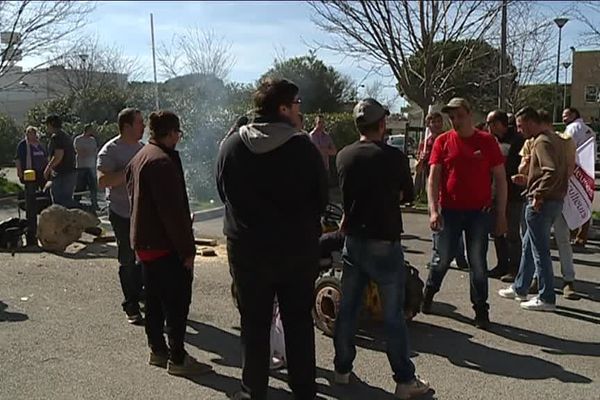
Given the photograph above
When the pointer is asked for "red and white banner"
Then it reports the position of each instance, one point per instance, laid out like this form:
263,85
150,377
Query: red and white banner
577,208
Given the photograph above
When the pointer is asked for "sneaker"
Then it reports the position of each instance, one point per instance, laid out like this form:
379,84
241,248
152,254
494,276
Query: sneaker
341,379
509,293
508,278
189,367
482,319
414,388
241,395
427,301
276,363
536,304
569,291
497,272
534,287
159,359
135,319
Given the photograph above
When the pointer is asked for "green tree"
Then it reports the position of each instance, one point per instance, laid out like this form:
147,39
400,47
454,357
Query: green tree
538,96
10,135
322,88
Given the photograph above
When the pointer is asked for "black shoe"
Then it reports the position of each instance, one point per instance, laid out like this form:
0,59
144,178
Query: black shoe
508,278
135,319
462,265
427,301
482,319
497,272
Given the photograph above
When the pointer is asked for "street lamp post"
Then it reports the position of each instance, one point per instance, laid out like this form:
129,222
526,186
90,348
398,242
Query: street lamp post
560,22
566,65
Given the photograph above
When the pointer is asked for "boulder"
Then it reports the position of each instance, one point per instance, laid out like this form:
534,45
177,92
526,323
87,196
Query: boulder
58,226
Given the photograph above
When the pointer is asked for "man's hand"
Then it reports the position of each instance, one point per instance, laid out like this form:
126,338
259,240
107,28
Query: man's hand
519,179
501,226
436,222
189,262
537,204
47,173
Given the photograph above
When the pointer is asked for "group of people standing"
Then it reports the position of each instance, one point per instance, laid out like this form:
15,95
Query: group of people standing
510,181
69,163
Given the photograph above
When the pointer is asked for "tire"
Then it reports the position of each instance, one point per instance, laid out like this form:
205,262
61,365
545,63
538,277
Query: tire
328,293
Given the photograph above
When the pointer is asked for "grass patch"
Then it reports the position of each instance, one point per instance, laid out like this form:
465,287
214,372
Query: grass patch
7,187
596,215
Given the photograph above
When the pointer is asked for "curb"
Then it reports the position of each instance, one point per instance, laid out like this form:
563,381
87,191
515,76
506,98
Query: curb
211,213
414,210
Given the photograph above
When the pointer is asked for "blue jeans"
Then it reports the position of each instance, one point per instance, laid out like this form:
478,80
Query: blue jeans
476,227
382,262
63,186
461,259
87,179
536,251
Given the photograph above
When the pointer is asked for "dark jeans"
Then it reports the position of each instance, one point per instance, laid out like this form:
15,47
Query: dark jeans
475,225
86,179
382,262
130,271
260,274
168,297
536,251
461,258
508,248
62,189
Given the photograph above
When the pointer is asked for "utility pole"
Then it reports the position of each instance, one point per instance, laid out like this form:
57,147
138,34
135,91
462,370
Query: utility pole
154,62
502,80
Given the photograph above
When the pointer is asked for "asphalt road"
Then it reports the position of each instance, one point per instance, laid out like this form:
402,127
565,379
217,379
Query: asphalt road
63,336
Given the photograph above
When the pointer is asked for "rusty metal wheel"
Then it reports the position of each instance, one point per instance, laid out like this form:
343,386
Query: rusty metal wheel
328,295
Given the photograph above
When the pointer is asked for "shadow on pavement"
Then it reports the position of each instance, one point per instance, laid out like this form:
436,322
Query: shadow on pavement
585,289
6,316
227,345
458,348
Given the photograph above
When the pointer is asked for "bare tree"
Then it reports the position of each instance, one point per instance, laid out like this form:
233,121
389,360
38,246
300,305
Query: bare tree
588,12
32,28
93,65
376,90
530,47
196,51
408,38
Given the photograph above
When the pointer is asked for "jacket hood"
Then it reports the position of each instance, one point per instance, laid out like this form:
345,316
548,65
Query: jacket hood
263,137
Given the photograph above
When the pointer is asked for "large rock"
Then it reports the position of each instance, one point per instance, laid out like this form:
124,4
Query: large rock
58,227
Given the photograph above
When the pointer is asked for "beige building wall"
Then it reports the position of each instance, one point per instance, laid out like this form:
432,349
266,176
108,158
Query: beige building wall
20,91
585,87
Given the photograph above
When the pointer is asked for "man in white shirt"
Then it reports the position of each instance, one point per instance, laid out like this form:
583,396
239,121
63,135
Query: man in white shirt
581,133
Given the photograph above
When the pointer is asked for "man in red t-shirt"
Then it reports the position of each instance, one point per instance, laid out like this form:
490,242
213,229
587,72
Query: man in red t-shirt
463,162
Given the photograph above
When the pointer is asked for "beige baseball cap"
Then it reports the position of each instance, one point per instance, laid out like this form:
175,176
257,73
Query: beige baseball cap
455,103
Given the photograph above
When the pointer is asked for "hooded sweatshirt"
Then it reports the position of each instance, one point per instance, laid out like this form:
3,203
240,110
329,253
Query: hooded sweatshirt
274,186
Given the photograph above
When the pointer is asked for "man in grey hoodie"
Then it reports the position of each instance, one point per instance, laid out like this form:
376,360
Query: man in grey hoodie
273,183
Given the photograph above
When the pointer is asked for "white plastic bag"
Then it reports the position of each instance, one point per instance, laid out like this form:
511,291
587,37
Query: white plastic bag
277,339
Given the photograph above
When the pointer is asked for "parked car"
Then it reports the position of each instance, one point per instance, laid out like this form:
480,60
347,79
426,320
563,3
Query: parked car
400,142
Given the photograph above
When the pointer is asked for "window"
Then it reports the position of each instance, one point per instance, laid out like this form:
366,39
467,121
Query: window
591,94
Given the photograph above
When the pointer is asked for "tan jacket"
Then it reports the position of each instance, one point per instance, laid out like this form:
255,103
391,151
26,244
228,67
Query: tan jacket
548,168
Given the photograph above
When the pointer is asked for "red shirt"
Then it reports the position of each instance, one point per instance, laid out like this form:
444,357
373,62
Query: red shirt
151,255
467,163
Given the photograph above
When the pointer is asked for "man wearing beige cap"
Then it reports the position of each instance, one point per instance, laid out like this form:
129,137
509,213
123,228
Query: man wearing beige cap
374,178
460,200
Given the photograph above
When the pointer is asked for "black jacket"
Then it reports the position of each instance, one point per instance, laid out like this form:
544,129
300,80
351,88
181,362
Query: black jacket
514,142
274,186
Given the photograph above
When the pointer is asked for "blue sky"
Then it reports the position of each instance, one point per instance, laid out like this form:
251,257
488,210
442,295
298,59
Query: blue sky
256,30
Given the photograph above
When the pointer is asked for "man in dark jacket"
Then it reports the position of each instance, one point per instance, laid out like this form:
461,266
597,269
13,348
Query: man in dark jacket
508,248
273,183
162,237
